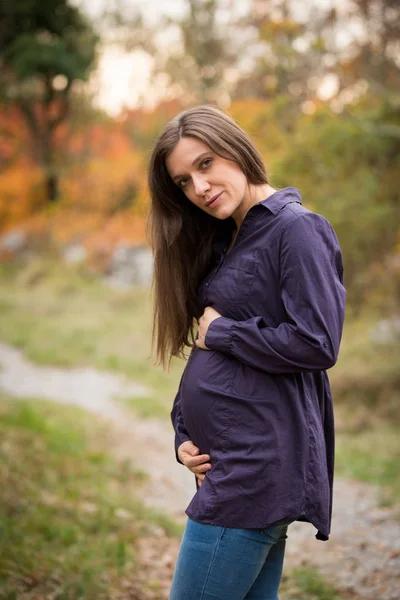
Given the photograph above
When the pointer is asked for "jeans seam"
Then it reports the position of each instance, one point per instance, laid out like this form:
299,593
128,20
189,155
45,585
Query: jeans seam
211,564
271,539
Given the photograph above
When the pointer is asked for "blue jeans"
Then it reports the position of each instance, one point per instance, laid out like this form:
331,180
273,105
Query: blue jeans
222,563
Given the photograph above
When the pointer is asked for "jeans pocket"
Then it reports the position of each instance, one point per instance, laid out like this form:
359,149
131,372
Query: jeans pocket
277,531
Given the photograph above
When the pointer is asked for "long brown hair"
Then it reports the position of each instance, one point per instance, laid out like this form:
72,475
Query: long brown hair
181,234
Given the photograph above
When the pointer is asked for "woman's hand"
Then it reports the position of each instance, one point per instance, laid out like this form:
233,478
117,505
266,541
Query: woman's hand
198,463
209,315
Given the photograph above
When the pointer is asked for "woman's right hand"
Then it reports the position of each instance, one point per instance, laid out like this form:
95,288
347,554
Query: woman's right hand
198,463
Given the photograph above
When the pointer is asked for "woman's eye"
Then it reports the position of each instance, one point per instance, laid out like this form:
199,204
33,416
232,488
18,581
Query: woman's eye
206,162
203,165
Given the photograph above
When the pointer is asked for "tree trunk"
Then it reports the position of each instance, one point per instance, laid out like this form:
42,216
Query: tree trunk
52,191
51,177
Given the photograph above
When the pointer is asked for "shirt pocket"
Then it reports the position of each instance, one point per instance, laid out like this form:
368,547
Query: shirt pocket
237,279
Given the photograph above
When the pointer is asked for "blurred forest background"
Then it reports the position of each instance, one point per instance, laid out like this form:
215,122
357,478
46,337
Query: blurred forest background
316,85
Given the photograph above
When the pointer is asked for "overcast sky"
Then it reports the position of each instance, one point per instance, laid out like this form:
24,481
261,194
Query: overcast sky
122,79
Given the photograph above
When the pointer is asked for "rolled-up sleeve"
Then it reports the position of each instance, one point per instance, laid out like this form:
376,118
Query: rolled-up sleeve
313,296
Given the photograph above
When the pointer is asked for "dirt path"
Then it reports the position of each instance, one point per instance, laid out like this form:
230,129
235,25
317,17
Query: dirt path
148,442
362,558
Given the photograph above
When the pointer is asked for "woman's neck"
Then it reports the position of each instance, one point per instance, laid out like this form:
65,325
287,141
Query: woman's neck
255,194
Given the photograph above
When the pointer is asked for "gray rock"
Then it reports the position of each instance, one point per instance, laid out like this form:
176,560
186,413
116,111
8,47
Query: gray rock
386,331
74,253
14,241
130,266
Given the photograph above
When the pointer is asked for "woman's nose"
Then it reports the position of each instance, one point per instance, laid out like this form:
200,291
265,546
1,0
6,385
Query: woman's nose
201,185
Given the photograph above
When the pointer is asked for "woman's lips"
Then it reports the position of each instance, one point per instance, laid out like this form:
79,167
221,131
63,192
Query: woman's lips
215,202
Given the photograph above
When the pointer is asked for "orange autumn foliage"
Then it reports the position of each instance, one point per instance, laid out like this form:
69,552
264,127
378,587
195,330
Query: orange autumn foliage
102,180
21,193
101,166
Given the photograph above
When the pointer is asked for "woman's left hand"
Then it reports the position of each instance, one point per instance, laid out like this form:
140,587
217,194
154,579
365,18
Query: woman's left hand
209,315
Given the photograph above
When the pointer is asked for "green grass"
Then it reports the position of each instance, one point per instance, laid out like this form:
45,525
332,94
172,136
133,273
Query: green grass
366,391
148,406
366,379
374,456
61,316
306,583
69,517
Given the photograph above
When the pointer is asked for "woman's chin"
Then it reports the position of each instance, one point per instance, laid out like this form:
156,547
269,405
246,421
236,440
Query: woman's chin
222,213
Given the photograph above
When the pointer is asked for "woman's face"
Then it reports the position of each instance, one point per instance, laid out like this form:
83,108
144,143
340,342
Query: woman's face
216,185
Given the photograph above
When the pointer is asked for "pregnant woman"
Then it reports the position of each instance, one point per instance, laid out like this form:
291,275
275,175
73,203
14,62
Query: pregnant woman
252,281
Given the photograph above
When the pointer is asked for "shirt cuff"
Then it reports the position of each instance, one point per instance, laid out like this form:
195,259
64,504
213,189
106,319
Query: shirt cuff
219,334
179,439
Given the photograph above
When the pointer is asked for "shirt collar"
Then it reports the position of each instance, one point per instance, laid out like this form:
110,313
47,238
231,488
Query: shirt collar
279,199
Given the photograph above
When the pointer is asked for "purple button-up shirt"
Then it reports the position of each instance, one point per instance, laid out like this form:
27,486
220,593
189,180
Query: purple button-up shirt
258,401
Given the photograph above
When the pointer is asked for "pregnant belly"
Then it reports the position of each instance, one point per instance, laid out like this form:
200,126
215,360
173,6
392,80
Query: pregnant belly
205,394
